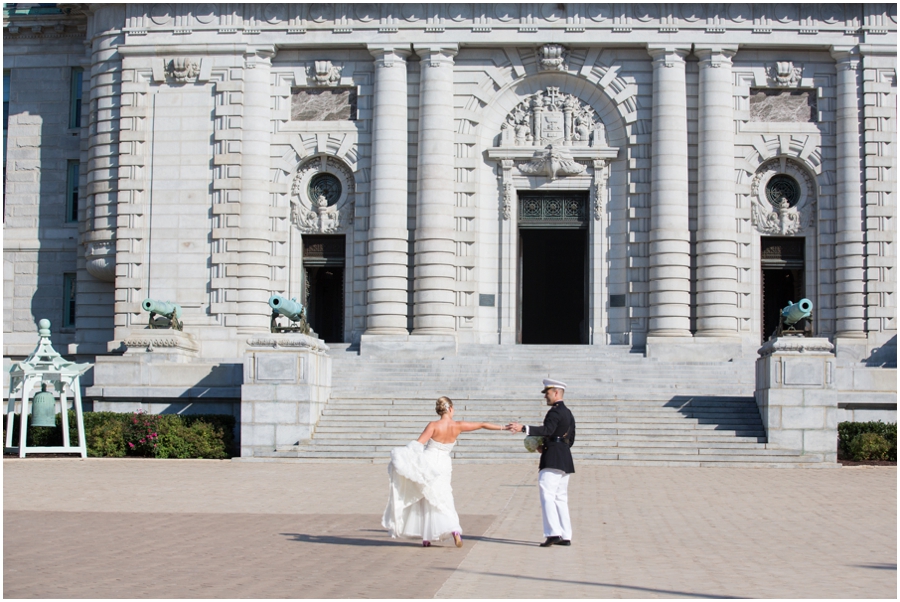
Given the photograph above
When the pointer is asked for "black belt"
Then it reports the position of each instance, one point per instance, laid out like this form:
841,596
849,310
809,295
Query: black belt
557,440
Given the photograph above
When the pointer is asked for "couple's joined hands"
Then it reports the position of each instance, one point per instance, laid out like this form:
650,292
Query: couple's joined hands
513,427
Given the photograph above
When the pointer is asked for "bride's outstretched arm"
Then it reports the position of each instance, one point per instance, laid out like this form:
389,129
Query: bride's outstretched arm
474,426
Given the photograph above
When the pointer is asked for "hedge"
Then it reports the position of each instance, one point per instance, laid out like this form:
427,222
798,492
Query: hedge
861,441
116,435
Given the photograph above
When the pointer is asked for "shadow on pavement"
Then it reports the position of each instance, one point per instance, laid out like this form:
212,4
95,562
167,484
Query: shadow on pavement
882,567
668,592
345,541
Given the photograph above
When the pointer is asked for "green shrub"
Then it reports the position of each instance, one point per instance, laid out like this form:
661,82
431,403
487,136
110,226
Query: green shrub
850,442
115,435
869,446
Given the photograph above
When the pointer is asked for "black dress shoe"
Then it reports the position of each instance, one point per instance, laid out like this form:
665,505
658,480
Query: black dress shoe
563,542
551,540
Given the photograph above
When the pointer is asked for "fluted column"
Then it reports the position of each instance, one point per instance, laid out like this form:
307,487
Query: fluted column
434,274
670,240
850,247
717,314
254,259
388,233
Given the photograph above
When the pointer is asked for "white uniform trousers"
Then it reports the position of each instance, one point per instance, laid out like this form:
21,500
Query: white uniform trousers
554,486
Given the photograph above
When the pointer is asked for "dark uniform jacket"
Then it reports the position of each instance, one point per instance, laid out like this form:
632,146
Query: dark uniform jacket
558,422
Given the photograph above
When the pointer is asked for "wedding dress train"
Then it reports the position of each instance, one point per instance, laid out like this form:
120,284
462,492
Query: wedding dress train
421,498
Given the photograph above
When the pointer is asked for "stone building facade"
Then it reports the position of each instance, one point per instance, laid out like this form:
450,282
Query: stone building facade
420,176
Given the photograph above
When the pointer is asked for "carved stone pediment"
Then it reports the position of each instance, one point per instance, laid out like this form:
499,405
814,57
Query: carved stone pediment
322,196
552,117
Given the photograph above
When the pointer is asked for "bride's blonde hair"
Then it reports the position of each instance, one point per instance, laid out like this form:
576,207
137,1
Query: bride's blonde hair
443,405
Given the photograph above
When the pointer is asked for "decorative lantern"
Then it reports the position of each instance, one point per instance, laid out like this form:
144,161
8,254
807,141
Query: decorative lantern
43,408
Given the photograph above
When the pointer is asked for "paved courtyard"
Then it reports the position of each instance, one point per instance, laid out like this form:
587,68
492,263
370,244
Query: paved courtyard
103,528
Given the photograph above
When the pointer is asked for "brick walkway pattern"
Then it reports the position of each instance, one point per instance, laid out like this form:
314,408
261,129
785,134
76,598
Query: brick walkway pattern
103,528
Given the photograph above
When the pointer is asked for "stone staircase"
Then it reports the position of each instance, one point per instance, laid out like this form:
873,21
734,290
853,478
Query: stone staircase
630,410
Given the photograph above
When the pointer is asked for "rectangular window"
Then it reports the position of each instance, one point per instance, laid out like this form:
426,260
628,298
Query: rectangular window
72,191
75,108
68,299
5,111
5,128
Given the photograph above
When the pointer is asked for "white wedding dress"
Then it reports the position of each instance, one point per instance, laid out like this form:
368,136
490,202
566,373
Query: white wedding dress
421,501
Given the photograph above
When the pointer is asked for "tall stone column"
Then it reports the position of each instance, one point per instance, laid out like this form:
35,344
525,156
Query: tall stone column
435,249
670,239
102,118
254,258
850,247
717,314
388,233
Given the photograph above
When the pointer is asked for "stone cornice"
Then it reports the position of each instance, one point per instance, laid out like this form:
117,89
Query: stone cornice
667,22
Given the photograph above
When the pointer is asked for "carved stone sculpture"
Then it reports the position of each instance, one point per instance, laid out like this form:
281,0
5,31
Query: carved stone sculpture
323,73
785,74
552,162
551,117
183,69
553,57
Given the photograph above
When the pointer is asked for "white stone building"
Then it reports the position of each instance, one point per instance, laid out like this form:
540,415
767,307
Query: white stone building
664,177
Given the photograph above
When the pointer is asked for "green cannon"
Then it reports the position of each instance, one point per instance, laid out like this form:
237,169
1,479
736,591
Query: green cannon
796,319
168,310
292,310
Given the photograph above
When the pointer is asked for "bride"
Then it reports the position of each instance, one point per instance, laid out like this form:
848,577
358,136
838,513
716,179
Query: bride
421,501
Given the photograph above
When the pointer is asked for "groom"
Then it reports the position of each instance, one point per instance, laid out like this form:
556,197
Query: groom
556,464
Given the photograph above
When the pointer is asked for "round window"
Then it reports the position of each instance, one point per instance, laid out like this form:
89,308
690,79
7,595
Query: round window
324,185
783,188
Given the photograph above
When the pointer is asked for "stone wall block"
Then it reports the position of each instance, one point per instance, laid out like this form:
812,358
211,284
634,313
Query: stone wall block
821,441
802,417
786,438
255,392
290,434
269,412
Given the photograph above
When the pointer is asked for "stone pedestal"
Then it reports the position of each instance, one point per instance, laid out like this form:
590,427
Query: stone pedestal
161,371
287,381
796,395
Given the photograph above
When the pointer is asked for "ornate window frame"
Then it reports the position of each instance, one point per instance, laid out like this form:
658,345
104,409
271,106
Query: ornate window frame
786,220
311,216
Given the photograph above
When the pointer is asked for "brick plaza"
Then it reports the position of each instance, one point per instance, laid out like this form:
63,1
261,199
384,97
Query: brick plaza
104,528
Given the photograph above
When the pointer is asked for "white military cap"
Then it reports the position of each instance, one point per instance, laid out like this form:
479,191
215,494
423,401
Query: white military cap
553,384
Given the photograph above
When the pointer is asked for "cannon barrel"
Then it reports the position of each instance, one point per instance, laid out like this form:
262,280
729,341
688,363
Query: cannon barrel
163,308
289,309
795,312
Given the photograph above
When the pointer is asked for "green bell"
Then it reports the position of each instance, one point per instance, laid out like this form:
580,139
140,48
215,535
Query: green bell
43,408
